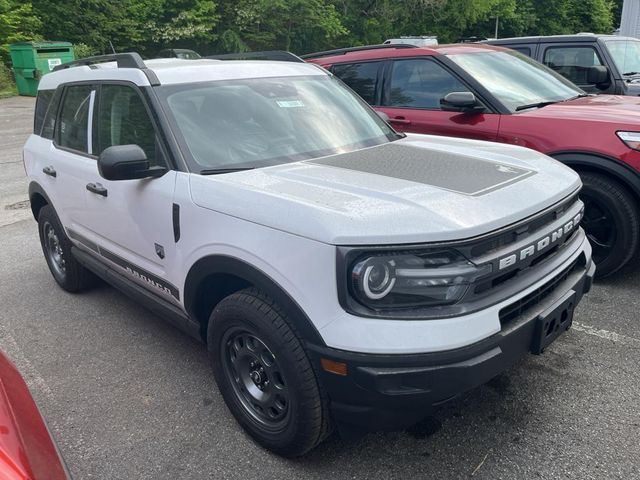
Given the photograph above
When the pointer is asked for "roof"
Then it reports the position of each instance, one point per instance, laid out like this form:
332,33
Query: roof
175,71
381,53
582,37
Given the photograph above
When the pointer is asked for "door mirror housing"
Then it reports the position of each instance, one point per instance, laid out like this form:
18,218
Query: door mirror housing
597,75
126,162
465,102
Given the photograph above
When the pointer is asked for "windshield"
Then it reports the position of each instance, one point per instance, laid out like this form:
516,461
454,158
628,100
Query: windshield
250,123
516,80
626,55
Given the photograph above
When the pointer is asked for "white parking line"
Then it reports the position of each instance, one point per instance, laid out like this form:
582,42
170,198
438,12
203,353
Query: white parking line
28,371
613,336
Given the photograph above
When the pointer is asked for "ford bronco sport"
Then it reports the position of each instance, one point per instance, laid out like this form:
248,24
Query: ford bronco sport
340,273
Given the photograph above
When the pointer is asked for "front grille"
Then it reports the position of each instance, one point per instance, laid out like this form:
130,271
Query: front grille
530,227
486,286
529,301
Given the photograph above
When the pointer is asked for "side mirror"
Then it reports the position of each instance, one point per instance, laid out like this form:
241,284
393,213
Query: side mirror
465,102
597,75
383,116
126,162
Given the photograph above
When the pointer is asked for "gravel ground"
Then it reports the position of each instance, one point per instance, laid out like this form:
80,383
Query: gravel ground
127,396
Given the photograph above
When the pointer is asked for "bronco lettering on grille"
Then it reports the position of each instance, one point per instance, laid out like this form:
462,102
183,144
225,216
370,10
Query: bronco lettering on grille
541,244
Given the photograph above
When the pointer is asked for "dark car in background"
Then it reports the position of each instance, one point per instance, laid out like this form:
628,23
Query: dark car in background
596,63
182,53
491,93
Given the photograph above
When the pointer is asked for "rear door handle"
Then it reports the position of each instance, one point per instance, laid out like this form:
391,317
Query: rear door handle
50,171
97,189
400,121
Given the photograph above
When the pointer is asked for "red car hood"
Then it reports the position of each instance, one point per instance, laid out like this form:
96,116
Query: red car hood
599,108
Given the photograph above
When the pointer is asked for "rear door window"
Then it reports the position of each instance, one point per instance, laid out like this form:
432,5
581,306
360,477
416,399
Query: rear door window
421,83
73,124
361,77
572,62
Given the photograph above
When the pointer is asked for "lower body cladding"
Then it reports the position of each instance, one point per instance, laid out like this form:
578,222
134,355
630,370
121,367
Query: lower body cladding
392,391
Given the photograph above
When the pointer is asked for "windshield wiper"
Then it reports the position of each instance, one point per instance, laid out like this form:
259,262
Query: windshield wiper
536,105
628,74
219,171
549,102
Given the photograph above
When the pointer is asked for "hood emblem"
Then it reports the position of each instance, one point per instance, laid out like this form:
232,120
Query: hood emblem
505,169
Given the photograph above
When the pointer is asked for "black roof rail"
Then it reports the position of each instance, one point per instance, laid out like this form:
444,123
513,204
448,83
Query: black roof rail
343,51
278,55
123,60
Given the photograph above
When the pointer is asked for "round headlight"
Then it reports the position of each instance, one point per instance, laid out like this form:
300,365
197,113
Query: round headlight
375,277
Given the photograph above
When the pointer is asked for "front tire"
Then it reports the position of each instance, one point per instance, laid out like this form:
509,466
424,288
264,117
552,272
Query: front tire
56,246
611,222
265,376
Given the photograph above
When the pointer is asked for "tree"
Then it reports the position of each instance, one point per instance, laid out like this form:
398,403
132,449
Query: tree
18,23
298,25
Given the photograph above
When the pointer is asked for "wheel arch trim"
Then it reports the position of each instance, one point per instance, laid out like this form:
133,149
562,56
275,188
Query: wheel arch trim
36,189
227,265
603,163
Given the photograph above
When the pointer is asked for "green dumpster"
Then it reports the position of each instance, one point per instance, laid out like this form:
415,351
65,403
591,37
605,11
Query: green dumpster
31,60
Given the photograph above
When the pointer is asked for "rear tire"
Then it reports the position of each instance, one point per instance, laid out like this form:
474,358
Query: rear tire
265,376
611,221
56,246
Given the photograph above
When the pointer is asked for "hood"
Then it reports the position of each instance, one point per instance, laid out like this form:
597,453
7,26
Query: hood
616,109
418,189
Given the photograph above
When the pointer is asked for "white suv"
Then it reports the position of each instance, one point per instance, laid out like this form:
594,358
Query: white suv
340,273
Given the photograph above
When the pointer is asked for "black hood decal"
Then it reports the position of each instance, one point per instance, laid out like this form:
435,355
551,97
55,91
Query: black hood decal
449,171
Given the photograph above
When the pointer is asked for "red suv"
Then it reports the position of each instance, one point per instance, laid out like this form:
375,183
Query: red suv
491,93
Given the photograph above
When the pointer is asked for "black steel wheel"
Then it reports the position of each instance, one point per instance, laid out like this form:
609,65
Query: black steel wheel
53,251
610,221
56,247
264,374
257,378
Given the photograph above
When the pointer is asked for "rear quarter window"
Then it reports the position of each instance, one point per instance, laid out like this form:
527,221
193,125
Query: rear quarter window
42,105
361,77
523,50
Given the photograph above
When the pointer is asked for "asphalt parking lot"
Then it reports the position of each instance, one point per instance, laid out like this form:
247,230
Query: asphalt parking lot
127,396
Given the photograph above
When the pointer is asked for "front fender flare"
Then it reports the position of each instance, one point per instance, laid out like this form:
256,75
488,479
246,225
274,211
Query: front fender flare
222,264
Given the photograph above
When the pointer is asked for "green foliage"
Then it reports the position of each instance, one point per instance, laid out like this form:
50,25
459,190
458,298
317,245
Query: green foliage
18,23
82,50
210,26
279,24
7,86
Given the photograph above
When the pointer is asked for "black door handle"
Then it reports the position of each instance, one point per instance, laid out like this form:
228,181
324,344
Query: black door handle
97,189
50,171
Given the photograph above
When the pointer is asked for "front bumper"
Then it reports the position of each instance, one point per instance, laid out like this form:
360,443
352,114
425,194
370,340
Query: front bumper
394,391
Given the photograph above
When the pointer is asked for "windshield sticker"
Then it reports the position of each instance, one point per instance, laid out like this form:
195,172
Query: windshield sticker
290,103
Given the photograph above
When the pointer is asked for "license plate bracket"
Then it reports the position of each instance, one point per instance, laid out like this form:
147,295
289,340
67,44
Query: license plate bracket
552,322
